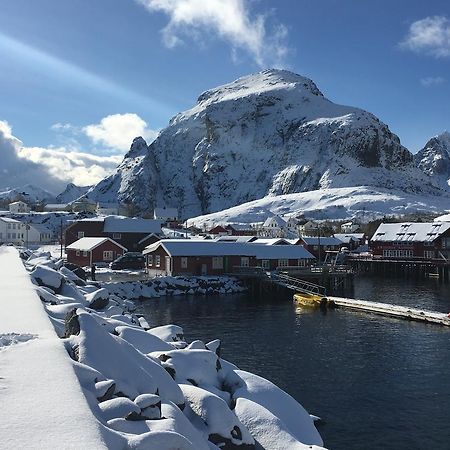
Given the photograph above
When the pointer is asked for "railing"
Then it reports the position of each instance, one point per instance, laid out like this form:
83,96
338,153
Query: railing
297,284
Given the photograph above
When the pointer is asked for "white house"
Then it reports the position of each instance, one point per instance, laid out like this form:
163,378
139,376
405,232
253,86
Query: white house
36,233
11,231
166,214
274,226
84,205
108,209
349,227
19,207
308,228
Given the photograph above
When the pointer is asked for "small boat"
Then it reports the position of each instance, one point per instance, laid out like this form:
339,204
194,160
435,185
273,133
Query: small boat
311,300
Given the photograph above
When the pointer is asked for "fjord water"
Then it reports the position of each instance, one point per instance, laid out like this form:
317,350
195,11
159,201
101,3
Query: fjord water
377,383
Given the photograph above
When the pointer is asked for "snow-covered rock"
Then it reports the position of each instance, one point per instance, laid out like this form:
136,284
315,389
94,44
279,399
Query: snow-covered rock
269,133
71,193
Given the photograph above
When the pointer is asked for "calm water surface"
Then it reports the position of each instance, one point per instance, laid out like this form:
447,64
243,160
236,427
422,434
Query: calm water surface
377,383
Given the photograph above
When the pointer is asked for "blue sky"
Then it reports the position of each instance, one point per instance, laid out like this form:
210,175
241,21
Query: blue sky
66,65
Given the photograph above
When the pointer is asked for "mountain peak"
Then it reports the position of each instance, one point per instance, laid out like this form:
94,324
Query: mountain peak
261,82
138,147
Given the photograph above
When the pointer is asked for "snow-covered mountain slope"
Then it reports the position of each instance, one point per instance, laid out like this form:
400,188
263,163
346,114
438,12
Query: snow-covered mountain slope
270,133
362,203
28,193
434,158
71,193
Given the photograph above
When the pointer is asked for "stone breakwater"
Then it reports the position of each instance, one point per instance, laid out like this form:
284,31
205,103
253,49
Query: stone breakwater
169,286
147,387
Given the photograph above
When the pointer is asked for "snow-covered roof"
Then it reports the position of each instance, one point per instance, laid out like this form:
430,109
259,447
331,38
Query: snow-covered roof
188,247
444,218
410,232
19,202
40,228
116,224
314,240
280,222
235,238
271,241
89,243
7,219
348,237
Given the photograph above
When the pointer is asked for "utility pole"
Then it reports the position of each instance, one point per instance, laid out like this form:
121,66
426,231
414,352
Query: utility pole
318,242
61,239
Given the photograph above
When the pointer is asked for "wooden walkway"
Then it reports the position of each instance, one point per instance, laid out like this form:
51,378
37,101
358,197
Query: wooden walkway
396,311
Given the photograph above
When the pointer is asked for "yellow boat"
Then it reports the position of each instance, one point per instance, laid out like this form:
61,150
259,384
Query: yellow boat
311,300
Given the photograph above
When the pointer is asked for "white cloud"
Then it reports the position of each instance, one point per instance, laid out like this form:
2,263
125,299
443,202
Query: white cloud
116,131
430,36
431,81
49,168
230,20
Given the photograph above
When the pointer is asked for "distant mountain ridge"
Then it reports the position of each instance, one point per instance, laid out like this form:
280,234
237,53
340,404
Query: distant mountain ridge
271,133
71,193
434,159
28,193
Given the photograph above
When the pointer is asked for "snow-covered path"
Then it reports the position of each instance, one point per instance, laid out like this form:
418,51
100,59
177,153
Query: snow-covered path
42,405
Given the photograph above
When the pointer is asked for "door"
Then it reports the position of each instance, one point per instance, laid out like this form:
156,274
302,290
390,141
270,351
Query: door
168,265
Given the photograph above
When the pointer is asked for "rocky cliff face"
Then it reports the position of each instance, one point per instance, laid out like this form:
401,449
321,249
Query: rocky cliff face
434,159
270,133
71,193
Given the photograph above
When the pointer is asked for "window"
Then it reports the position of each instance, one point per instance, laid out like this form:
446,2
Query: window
184,262
108,255
398,253
85,253
150,260
245,261
77,252
217,262
446,242
429,254
117,236
316,247
80,234
265,264
302,262
14,235
283,262
157,261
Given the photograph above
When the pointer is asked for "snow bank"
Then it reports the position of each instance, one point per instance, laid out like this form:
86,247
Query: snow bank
169,286
146,387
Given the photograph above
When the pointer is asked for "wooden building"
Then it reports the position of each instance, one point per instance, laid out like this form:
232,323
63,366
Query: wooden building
94,250
319,245
208,257
132,233
427,241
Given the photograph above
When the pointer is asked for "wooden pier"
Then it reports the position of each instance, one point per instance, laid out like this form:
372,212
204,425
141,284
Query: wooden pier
396,311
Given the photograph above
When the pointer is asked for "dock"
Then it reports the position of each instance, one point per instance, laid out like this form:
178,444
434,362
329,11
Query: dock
395,311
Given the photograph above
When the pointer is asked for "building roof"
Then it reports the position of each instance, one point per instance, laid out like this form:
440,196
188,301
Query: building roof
118,224
277,219
40,228
235,238
56,206
189,247
410,232
324,240
19,202
8,219
348,237
89,243
271,241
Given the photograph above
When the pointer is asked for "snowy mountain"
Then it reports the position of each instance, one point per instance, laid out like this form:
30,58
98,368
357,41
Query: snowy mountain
71,193
271,133
434,158
361,203
28,193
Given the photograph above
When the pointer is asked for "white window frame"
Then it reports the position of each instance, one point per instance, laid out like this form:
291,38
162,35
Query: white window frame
283,263
302,263
80,234
429,254
150,260
245,261
77,253
117,235
85,253
217,262
265,263
108,255
184,262
157,261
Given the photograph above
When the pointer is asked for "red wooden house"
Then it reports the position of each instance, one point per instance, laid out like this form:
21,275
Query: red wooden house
426,240
89,250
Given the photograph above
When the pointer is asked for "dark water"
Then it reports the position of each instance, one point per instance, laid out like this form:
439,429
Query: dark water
377,383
